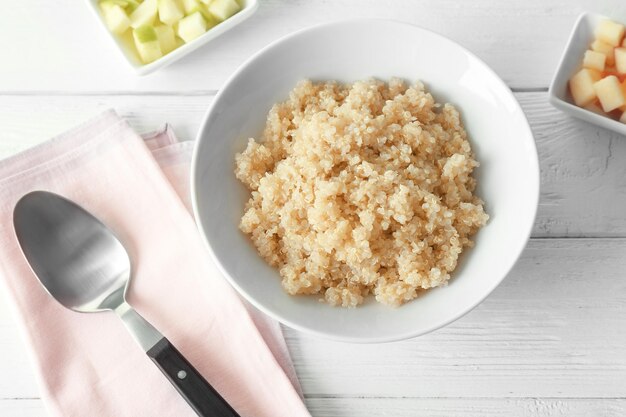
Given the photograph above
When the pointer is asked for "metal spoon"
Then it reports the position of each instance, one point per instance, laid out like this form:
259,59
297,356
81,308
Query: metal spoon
82,264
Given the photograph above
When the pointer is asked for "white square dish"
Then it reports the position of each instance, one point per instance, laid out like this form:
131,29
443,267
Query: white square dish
571,61
248,7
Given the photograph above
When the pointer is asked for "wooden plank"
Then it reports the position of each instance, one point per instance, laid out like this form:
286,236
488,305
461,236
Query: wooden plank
553,329
583,174
411,407
22,408
522,41
462,407
29,120
583,168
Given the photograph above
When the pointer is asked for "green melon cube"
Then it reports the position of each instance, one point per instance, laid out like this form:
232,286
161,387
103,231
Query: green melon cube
166,37
208,17
192,26
115,17
169,11
145,34
144,14
129,5
189,6
223,9
147,43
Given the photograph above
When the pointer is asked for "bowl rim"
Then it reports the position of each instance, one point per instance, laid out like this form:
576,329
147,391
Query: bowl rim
516,251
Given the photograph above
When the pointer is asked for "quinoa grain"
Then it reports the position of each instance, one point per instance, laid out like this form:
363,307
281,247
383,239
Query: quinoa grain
361,189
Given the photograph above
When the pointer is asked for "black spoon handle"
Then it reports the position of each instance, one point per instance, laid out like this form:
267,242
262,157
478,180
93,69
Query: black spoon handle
200,395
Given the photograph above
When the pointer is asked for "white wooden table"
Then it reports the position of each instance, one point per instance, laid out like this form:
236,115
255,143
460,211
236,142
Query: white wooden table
551,340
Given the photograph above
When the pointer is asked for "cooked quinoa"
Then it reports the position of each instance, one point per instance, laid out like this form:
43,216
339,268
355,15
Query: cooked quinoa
361,189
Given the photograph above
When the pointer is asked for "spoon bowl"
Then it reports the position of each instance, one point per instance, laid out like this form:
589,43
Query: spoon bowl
76,257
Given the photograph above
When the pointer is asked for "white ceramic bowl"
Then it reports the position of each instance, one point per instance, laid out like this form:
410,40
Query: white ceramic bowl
247,10
571,61
349,51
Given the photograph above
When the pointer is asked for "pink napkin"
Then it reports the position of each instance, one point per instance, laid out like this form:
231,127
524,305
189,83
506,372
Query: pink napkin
87,364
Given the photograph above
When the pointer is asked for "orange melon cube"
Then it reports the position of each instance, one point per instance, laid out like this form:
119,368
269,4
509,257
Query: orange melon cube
610,32
623,87
594,107
605,49
594,60
620,60
609,92
581,86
